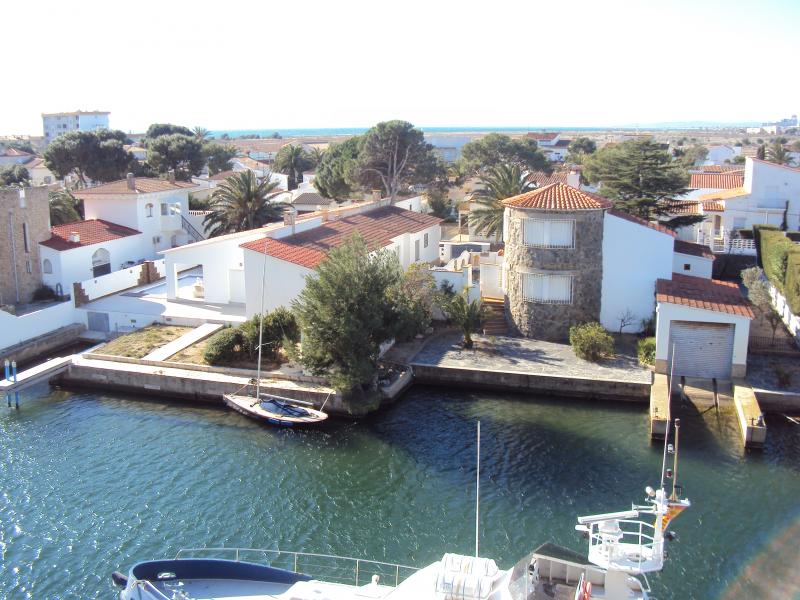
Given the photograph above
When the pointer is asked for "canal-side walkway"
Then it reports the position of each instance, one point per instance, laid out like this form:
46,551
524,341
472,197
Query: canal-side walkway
531,365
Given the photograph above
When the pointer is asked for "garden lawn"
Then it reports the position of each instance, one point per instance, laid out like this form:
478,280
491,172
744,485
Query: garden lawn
140,343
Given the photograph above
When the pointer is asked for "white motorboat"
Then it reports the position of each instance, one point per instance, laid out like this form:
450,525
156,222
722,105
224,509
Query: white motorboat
623,547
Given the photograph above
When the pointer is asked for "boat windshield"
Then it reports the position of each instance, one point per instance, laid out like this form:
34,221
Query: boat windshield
520,584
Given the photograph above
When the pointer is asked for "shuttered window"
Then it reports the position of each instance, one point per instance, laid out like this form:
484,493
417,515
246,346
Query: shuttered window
546,288
550,233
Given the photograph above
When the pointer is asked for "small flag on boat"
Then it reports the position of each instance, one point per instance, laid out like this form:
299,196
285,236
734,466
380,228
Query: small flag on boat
673,510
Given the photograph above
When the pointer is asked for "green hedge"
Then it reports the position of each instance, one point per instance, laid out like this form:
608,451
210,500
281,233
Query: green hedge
591,341
791,286
646,351
757,229
775,248
223,346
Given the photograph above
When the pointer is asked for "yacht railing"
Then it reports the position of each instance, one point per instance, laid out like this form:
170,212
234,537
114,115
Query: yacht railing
633,534
327,567
148,587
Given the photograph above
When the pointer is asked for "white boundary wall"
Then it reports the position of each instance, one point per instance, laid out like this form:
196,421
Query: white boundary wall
14,330
791,320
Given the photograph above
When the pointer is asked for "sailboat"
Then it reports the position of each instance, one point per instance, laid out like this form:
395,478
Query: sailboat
623,547
269,408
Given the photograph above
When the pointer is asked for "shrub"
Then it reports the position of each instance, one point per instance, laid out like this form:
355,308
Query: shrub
792,281
44,293
591,342
649,325
646,351
775,253
757,231
223,346
279,325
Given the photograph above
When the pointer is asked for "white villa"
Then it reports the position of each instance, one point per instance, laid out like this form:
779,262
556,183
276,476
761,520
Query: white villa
127,222
764,193
555,148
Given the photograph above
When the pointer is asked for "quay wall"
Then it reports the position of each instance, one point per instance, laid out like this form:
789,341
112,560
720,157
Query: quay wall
42,344
577,387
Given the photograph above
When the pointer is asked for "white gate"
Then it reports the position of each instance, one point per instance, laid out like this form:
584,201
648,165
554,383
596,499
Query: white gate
702,349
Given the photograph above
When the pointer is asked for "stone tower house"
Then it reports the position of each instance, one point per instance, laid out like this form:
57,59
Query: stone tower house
553,260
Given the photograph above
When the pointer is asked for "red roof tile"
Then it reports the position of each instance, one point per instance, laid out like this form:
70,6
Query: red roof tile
683,247
377,228
93,231
542,179
222,175
558,196
716,168
682,207
713,206
706,294
143,185
544,135
642,222
722,181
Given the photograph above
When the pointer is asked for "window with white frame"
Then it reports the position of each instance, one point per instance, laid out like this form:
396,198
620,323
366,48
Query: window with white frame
547,288
425,241
548,233
164,209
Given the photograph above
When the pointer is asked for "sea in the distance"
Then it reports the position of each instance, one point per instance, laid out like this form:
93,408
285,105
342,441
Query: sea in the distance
92,482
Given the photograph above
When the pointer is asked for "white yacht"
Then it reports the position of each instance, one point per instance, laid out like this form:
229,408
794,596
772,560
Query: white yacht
623,547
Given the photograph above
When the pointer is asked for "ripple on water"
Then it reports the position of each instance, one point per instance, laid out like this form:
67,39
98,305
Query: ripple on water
90,483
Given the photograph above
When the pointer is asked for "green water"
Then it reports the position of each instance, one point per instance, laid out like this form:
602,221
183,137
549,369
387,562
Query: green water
91,483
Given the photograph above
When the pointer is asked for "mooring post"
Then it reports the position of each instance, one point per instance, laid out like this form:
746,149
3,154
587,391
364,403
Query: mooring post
14,374
7,366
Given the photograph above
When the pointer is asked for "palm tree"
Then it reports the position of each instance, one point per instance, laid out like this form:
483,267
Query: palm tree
498,183
778,154
292,161
241,203
63,208
467,315
315,156
201,134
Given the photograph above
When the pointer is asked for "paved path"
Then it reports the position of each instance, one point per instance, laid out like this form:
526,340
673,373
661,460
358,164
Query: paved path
186,340
521,355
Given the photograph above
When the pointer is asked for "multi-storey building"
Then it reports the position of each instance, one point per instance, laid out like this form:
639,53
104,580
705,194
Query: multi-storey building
54,124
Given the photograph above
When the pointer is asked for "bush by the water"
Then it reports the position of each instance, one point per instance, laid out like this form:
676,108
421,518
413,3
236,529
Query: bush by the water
646,351
223,346
591,341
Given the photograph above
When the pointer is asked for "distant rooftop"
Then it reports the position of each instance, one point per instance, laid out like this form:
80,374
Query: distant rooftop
76,112
93,231
142,185
707,294
722,181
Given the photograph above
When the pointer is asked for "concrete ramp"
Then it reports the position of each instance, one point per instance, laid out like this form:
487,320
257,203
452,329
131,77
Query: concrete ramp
700,392
751,420
659,406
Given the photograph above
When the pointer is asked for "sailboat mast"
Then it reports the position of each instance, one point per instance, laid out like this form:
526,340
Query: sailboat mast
478,492
675,461
666,429
261,318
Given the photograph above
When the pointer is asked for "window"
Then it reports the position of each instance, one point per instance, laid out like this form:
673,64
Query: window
47,266
164,209
551,233
687,267
148,210
416,250
25,238
425,241
547,288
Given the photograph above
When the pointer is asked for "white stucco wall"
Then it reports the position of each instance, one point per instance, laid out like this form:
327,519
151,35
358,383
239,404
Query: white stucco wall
666,313
19,329
75,264
634,257
769,186
284,282
698,266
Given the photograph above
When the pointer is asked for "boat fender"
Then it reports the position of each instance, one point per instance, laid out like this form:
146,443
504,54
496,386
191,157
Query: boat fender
586,590
119,579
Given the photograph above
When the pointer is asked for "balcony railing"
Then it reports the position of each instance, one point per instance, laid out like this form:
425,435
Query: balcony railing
724,243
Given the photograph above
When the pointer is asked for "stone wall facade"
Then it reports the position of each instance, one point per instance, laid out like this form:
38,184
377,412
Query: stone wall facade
584,262
24,222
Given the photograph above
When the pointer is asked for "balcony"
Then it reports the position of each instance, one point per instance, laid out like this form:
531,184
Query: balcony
723,242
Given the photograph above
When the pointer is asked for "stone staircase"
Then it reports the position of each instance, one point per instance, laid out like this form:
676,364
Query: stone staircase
495,322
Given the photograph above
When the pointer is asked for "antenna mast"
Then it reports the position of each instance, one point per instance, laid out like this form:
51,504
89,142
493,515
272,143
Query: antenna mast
478,491
261,319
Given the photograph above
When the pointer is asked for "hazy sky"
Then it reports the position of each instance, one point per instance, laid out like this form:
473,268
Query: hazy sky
266,64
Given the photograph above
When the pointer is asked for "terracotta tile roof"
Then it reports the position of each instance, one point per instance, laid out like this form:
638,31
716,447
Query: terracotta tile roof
15,152
642,222
706,294
377,227
93,231
682,207
682,247
542,179
34,163
723,194
716,169
711,206
312,198
144,185
722,181
558,196
542,136
222,175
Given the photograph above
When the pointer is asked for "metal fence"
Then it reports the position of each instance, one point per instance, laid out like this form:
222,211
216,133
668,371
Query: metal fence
766,345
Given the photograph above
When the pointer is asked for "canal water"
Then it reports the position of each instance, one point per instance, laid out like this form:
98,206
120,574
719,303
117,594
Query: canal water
91,483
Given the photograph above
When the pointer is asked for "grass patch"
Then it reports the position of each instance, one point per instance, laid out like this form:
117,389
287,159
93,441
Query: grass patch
139,344
194,356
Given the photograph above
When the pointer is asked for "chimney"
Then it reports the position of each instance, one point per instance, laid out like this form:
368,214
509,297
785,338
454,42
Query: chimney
171,175
131,182
74,237
288,217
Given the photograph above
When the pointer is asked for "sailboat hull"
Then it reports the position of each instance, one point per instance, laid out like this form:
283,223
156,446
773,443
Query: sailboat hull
273,412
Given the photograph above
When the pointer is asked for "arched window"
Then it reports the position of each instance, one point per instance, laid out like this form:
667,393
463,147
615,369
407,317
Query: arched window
148,210
101,262
47,266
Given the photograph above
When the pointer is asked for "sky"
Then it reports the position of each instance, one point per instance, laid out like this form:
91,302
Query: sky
345,63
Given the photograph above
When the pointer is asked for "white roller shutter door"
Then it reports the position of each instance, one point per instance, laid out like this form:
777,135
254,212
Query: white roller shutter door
702,349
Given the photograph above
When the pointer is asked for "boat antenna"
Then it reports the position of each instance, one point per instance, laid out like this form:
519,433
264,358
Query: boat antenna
478,491
261,319
666,429
675,462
